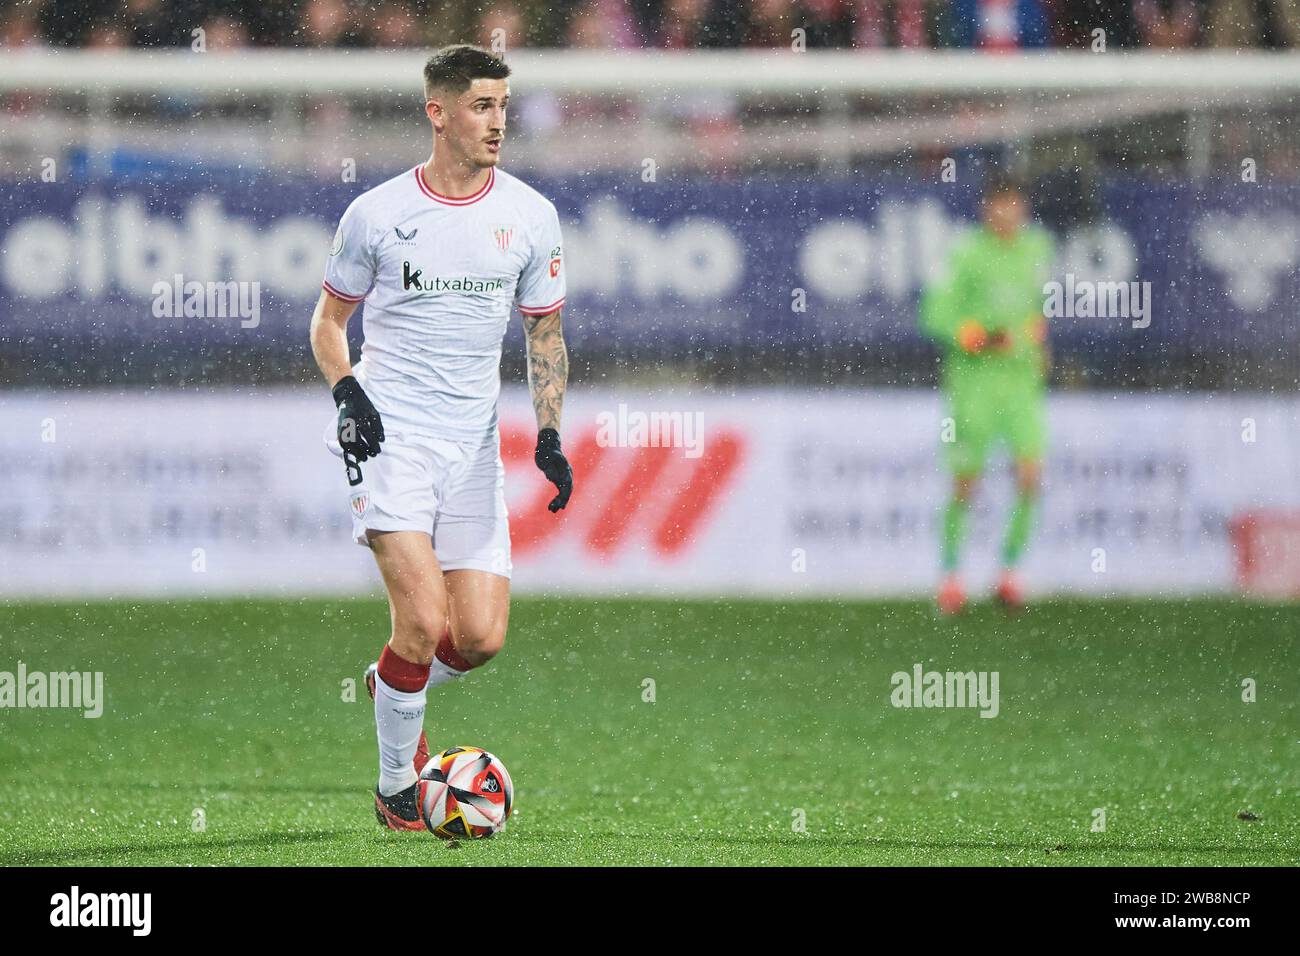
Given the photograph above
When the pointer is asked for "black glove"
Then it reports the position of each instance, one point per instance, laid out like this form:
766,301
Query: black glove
360,428
555,466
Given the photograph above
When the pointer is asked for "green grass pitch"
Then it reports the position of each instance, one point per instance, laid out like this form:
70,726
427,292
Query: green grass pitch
761,710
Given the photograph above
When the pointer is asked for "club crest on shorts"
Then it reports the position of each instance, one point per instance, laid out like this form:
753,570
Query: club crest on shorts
502,235
360,503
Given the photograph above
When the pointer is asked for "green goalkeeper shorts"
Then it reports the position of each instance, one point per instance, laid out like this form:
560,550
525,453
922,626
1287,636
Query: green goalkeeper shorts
978,426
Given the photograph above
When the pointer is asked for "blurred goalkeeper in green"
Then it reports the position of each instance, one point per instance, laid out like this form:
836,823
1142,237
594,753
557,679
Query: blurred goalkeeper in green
986,314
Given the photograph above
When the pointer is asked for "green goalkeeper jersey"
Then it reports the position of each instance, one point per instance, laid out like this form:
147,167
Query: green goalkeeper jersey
991,285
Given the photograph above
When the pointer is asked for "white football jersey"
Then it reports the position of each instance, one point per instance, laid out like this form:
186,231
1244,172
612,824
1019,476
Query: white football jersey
439,276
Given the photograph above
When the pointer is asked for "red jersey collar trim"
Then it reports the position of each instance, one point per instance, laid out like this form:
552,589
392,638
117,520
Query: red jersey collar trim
454,200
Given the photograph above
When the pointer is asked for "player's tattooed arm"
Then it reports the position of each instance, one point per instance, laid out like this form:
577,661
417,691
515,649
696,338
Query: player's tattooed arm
548,366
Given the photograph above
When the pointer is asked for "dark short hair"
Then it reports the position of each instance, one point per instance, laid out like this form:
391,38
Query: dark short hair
1000,181
455,67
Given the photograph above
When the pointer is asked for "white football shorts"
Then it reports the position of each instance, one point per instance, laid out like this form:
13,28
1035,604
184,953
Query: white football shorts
452,491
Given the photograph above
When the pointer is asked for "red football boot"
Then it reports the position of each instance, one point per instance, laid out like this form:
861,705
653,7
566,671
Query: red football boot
401,811
1010,592
952,596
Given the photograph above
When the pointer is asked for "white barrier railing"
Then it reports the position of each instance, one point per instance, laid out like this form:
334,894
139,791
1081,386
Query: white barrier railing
659,72
1017,98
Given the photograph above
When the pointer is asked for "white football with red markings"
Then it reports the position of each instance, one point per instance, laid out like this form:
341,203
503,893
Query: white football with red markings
465,793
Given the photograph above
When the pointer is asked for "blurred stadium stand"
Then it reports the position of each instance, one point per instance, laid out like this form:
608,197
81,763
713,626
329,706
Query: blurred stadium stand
668,24
1157,137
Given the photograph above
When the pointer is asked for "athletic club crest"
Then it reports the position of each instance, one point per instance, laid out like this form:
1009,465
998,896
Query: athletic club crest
360,502
502,236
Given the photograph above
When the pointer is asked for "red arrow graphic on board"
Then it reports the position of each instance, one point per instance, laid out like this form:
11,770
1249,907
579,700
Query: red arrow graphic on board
620,493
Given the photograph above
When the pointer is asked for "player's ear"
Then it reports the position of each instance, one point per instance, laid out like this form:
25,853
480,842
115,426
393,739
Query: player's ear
433,110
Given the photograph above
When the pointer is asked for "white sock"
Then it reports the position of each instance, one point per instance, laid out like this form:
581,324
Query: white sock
440,673
399,718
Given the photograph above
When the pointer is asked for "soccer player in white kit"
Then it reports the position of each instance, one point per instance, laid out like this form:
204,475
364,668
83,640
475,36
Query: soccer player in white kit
439,255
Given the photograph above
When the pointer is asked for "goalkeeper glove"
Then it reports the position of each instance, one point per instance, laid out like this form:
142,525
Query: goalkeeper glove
360,428
971,337
554,466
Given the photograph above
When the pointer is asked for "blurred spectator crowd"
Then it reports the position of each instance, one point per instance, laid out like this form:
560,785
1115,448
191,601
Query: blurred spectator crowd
666,24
